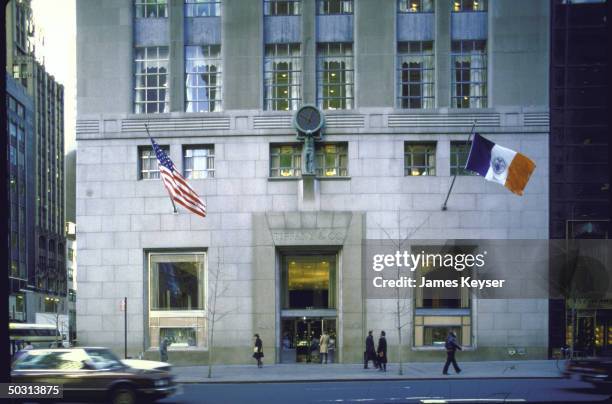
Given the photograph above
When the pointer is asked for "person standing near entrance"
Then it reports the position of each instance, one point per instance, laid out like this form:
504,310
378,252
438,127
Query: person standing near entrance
451,346
382,352
370,352
324,345
258,350
163,350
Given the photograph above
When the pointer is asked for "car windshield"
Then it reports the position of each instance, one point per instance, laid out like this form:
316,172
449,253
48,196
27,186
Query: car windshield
50,360
103,358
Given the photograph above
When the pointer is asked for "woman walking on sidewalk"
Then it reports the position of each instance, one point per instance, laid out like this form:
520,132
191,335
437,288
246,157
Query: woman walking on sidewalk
323,346
451,346
382,352
258,350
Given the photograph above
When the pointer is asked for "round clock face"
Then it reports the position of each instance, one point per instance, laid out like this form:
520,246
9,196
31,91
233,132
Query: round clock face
308,119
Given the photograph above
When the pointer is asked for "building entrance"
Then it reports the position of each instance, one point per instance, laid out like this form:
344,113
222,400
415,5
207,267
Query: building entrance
300,339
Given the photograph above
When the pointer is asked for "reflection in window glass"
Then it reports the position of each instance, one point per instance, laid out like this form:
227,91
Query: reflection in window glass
178,337
203,78
151,8
151,80
436,336
202,8
469,5
199,161
285,160
177,281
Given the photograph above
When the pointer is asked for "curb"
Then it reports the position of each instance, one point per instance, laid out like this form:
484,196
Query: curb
344,380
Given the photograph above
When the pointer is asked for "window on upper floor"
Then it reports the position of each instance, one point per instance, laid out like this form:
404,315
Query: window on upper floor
285,160
199,161
202,8
469,5
332,159
335,75
151,8
282,7
282,77
469,74
419,158
459,152
415,74
151,93
415,6
148,168
334,7
203,78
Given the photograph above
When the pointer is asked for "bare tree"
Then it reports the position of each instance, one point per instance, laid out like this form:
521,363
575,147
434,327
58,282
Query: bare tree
217,288
401,299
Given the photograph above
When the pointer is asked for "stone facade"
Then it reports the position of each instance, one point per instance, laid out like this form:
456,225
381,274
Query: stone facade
252,218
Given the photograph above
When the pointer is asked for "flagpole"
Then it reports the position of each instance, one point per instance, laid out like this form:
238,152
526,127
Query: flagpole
450,189
151,139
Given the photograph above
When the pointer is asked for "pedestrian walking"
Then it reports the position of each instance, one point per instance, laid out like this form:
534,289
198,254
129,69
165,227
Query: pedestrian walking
382,352
163,350
323,346
370,352
258,351
451,346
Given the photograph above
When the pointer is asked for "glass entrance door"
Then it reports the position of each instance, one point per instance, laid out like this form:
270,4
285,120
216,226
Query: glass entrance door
300,339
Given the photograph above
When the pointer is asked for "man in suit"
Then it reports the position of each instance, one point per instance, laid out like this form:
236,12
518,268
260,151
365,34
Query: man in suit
382,352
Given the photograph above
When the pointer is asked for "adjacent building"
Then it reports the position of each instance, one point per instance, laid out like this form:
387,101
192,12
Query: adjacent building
217,83
38,156
579,156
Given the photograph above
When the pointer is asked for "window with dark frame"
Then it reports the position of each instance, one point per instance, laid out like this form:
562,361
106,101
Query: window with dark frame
148,168
285,160
469,5
151,80
415,74
203,78
332,159
469,74
282,7
325,7
419,158
151,8
282,77
415,6
176,281
335,75
202,8
459,152
199,161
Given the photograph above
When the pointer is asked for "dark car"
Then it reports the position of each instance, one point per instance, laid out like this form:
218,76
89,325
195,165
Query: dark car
597,371
92,374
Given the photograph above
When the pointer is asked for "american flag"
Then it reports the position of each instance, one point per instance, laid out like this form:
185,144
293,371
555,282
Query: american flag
178,188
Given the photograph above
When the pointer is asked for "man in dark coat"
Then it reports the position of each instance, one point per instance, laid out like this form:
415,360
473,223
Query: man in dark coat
451,346
382,352
370,352
163,350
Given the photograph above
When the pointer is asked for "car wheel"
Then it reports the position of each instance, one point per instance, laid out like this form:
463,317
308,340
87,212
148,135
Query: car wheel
123,395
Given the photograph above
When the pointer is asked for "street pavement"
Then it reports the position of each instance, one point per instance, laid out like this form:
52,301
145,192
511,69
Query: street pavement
549,390
349,372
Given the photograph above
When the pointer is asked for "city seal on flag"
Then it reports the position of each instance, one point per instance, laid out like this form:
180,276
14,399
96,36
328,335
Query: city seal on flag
499,164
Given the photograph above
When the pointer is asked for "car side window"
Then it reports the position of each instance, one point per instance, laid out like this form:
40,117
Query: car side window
50,361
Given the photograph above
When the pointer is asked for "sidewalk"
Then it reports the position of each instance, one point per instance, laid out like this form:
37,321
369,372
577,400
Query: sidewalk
344,372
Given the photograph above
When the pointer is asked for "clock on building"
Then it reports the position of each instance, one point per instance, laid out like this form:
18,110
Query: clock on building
308,119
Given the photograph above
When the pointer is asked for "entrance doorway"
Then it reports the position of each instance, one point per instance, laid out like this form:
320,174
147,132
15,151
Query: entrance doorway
300,339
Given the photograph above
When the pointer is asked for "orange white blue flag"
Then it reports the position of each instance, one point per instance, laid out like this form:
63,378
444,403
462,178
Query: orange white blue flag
500,164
